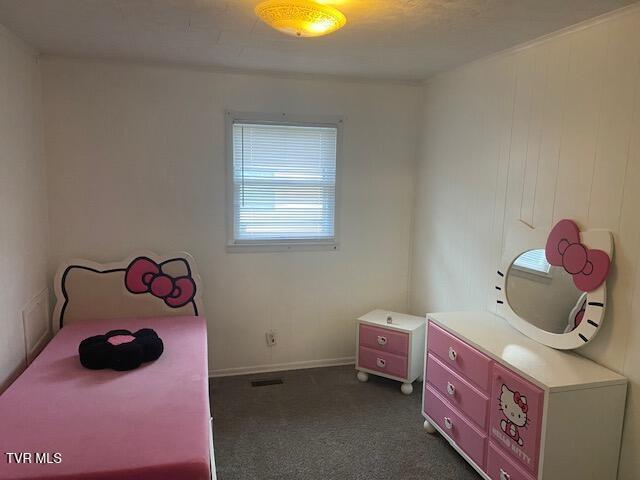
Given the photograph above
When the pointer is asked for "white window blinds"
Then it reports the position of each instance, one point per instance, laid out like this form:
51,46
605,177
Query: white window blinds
284,182
533,260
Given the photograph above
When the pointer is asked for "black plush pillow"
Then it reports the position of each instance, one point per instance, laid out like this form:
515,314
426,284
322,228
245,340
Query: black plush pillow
120,349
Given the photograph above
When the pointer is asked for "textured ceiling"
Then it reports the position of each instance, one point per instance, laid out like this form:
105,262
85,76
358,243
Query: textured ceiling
394,39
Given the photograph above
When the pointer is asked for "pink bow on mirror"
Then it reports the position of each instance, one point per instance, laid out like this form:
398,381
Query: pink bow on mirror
588,267
146,276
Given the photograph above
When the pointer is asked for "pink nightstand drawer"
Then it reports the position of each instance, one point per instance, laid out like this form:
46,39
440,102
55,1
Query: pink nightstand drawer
382,362
459,356
470,440
500,467
384,339
516,417
460,393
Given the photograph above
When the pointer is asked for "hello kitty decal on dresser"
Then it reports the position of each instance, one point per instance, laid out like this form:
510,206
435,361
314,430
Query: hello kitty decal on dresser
516,416
514,408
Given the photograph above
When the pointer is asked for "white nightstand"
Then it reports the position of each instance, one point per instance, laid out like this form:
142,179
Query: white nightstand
394,350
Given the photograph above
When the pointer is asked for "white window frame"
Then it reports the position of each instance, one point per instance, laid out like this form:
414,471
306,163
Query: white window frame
280,245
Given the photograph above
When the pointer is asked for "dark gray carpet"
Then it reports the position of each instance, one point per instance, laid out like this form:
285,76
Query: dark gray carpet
322,424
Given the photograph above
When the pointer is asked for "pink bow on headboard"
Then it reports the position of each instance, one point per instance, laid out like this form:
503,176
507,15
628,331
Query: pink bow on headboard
145,276
589,268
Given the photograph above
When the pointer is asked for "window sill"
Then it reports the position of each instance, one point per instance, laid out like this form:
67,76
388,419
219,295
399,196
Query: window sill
282,247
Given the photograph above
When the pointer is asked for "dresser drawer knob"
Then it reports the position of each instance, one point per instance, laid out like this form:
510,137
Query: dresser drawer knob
382,340
452,354
504,475
450,388
380,362
448,423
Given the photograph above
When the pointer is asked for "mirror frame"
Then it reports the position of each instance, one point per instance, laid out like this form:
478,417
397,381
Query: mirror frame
521,238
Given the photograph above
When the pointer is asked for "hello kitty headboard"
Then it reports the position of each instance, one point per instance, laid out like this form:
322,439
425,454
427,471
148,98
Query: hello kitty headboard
143,285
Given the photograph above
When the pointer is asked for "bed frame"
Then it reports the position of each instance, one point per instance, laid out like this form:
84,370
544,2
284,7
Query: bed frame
88,290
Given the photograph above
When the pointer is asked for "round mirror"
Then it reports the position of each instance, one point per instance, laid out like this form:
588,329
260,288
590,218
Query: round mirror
544,295
541,300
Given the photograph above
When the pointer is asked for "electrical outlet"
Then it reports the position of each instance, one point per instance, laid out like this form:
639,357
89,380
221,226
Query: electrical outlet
272,337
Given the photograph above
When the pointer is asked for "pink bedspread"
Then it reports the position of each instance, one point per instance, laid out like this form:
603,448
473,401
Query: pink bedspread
151,423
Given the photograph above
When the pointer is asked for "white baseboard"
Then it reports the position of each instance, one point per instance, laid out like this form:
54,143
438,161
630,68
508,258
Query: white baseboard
278,367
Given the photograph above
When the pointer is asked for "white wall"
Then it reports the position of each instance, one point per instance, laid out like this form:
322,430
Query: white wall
542,133
136,159
23,210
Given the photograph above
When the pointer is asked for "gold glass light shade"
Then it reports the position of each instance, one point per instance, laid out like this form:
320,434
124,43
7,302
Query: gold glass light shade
300,18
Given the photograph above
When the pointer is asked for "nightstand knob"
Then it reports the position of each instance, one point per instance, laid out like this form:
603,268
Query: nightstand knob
380,362
382,340
448,423
452,354
450,388
504,475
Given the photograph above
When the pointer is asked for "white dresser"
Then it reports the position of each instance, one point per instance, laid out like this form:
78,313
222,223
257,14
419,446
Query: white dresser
516,409
393,350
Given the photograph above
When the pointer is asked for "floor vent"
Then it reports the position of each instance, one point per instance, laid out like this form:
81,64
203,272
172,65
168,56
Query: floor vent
265,382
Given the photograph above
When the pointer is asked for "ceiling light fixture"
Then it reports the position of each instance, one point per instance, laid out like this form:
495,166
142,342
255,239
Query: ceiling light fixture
300,18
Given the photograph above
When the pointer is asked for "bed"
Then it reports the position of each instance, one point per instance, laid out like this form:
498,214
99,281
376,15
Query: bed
62,421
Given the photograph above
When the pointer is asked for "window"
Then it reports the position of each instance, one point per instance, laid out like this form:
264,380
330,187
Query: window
283,182
533,261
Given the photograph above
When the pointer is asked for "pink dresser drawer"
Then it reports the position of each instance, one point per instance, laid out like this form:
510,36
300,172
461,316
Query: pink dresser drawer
501,467
516,417
460,393
382,362
470,440
384,339
459,356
